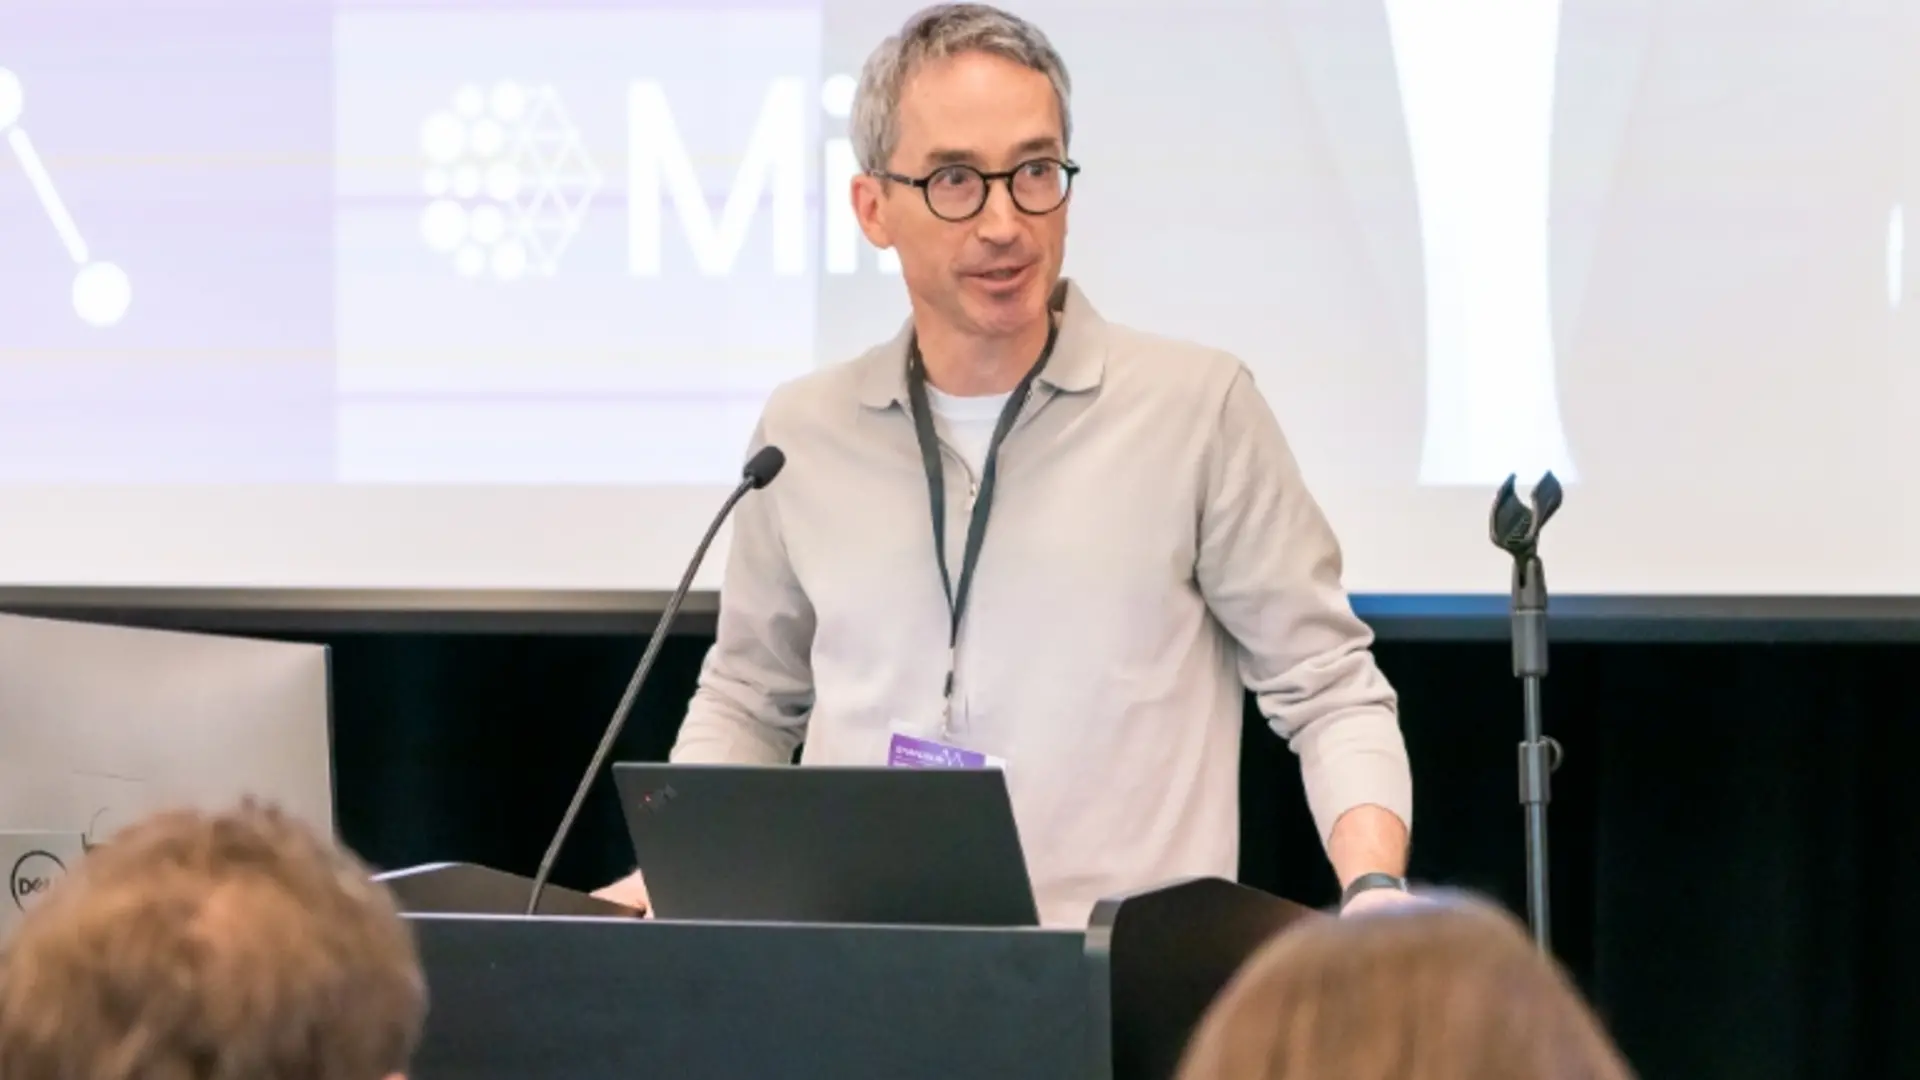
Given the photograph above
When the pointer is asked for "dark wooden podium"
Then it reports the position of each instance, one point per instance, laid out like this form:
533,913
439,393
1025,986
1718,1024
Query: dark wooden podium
586,992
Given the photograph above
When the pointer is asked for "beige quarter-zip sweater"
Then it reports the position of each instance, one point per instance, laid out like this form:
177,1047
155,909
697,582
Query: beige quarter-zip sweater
1152,552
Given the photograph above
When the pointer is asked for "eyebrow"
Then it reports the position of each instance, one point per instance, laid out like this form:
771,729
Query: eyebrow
1038,145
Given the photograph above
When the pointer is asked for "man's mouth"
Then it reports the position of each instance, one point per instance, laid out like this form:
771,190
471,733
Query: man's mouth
1002,274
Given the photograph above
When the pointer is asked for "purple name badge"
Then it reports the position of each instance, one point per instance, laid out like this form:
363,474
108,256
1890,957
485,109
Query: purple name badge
907,752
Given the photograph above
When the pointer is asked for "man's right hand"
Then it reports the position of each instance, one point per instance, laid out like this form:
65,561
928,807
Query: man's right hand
629,891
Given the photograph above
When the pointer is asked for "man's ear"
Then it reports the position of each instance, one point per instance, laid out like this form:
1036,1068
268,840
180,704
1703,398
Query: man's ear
869,195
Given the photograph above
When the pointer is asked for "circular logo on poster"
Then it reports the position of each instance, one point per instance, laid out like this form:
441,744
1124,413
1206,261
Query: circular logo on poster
32,876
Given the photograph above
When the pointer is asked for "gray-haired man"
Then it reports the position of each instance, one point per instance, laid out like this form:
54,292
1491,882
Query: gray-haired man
1153,550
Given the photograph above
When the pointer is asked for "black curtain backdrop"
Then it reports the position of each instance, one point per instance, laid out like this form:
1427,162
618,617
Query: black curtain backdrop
1735,838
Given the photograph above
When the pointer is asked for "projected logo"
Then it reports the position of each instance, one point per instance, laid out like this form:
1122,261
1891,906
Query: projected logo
101,291
509,181
652,224
772,170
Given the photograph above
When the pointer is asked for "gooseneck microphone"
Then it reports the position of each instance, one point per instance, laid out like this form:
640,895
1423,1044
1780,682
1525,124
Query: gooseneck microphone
759,471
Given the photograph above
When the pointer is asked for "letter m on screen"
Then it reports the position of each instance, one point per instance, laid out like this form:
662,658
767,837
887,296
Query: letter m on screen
772,169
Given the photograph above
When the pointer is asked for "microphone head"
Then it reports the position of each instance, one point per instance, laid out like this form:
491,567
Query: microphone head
763,466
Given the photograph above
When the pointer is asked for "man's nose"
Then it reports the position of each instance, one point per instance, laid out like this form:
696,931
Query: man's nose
999,220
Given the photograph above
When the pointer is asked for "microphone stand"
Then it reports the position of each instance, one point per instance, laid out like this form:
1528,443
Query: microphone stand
1515,528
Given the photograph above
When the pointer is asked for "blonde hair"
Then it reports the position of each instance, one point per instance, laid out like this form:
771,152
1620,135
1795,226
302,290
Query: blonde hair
235,946
1452,989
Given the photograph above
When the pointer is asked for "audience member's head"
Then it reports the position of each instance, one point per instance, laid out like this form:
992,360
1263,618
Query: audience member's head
1448,990
237,946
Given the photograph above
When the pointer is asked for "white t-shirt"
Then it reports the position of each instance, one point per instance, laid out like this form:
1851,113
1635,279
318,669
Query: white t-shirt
967,423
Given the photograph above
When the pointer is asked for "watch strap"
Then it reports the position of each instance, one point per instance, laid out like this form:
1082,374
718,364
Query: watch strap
1366,882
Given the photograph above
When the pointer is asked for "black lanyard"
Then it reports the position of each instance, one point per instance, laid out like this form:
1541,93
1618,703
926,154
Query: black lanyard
937,482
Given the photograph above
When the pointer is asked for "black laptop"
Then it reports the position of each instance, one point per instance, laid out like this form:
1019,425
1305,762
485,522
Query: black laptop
827,844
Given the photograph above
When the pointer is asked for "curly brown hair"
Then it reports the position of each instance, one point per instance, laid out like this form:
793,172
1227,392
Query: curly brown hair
197,946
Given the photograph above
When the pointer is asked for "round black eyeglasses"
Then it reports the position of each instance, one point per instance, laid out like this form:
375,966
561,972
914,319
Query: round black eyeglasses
958,192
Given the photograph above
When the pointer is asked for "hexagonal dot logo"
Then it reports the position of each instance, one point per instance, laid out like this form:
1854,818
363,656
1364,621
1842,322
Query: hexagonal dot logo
507,179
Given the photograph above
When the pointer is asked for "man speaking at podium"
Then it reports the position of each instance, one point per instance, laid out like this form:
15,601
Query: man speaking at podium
1153,550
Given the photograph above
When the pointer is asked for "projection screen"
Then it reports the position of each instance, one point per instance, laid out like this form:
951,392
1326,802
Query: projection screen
488,295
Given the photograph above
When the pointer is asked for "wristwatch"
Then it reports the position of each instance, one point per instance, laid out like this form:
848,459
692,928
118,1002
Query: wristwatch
1366,882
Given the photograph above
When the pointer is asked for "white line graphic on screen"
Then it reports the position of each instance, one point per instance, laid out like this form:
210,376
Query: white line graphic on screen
509,180
101,291
1476,83
1896,254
